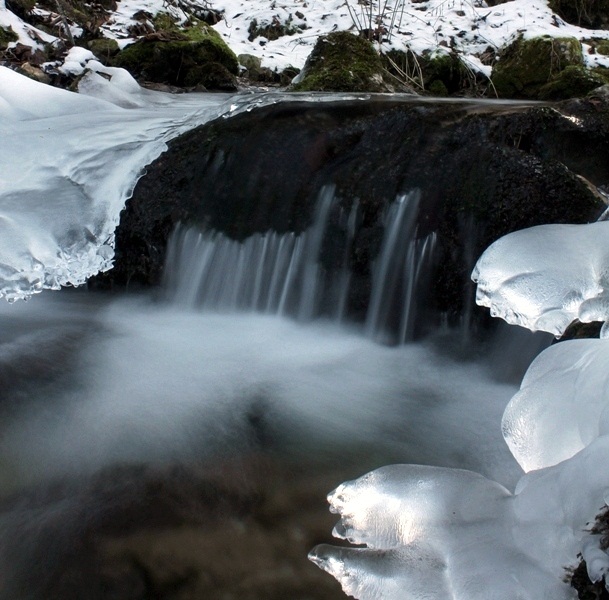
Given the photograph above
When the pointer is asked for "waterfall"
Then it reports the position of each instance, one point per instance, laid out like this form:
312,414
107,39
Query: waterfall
398,271
284,273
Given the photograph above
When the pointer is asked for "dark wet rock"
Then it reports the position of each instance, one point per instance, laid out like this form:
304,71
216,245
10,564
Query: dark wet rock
578,330
586,589
483,170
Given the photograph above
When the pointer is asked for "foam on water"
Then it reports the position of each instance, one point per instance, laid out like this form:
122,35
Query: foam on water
144,382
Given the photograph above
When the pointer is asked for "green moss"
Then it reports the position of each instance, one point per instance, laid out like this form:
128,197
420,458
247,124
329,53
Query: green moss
184,60
104,49
439,73
602,47
6,37
572,82
437,88
597,45
163,21
444,74
342,62
526,66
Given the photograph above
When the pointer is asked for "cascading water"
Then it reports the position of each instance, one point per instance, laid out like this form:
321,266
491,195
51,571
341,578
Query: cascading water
96,390
283,274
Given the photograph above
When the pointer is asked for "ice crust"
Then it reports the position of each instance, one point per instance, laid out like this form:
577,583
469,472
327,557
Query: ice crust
69,162
545,277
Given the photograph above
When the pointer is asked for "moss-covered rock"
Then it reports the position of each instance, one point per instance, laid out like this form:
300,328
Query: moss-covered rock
195,56
104,48
6,37
255,72
526,66
573,82
342,62
587,13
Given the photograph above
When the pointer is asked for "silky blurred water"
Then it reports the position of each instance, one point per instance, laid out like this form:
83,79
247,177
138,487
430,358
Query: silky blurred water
88,383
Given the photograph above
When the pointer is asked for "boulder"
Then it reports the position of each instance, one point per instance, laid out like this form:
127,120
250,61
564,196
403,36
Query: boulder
194,57
573,82
526,66
520,166
440,73
342,62
104,49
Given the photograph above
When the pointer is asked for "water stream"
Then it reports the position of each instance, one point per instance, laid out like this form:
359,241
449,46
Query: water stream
247,352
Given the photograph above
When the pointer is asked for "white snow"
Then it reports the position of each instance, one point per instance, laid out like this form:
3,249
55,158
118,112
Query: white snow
468,26
28,35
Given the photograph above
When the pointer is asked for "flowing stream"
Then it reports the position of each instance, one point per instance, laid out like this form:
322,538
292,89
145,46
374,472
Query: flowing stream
248,352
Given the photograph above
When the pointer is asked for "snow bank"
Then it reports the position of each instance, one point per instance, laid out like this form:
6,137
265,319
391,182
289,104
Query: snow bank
468,26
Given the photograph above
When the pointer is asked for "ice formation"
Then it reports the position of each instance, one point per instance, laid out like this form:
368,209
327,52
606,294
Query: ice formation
435,533
562,404
526,278
442,533
68,164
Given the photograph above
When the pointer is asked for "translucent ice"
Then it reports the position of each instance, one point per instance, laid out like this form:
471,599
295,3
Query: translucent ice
562,404
433,533
545,277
